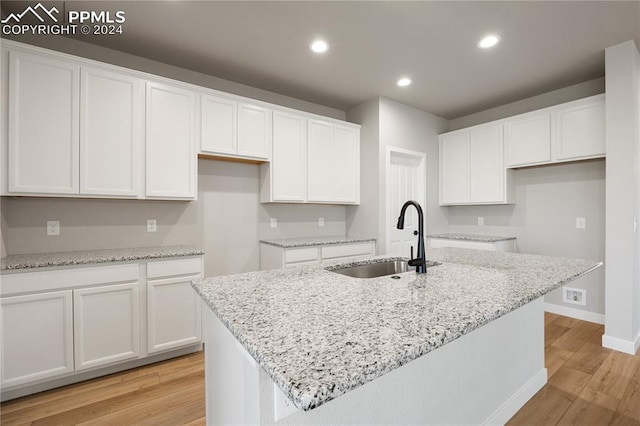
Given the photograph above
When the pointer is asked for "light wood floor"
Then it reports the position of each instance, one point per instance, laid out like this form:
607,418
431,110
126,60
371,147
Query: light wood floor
587,385
166,393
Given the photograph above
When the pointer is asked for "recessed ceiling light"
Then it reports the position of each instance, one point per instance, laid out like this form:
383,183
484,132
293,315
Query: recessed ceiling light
319,46
404,81
488,41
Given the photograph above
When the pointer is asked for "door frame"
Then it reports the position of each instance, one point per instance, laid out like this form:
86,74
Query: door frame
421,184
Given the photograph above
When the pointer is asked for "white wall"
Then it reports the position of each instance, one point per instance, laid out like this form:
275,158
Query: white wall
363,219
388,123
622,327
548,201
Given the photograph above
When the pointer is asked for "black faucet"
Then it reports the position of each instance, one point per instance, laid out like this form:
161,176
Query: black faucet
419,262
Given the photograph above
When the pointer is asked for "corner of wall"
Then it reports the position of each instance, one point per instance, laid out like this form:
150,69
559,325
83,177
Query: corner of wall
3,231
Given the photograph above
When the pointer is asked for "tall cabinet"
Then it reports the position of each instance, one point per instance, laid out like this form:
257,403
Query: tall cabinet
111,133
43,124
170,142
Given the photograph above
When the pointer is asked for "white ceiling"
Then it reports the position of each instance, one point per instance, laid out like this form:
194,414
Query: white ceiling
545,45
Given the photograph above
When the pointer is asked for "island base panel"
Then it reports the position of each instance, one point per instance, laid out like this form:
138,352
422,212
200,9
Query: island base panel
484,377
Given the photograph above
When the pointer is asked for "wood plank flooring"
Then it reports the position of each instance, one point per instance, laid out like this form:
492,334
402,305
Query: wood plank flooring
588,385
166,393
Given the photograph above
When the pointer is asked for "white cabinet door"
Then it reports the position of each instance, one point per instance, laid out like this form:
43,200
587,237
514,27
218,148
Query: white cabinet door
319,161
43,125
454,168
486,164
111,138
345,168
106,324
254,131
218,125
171,160
289,161
581,129
36,340
528,139
173,314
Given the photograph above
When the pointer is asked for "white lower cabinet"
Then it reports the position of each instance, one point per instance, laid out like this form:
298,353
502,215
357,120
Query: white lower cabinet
60,322
106,324
174,314
36,337
276,257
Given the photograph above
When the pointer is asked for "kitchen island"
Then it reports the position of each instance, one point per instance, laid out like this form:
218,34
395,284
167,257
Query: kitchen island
463,343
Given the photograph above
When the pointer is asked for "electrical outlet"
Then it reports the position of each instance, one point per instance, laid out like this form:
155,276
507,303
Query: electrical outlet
321,221
274,222
480,221
576,296
53,227
581,223
151,225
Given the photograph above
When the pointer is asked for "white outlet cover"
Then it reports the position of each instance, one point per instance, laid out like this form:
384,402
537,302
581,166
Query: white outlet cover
53,227
321,221
581,223
480,221
576,296
151,225
274,222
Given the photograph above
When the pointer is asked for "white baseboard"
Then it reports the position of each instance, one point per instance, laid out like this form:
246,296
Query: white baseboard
574,313
518,399
621,345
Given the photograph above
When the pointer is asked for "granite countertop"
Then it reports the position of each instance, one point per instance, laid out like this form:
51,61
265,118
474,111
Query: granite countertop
319,334
315,241
471,237
43,260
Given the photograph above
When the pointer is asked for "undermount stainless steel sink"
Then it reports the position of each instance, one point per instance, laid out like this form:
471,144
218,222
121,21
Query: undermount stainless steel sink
378,269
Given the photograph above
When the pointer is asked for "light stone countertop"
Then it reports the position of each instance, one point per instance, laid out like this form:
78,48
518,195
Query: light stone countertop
315,241
319,334
44,260
471,237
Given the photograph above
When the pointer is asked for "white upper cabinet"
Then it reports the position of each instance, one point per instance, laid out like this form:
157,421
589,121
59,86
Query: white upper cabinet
486,165
472,169
529,139
289,158
566,132
44,126
254,131
218,125
454,168
111,134
313,161
333,160
170,143
346,165
581,130
319,161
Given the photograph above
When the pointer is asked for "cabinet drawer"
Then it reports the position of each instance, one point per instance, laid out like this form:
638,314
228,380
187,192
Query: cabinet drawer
306,254
27,282
172,268
347,250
